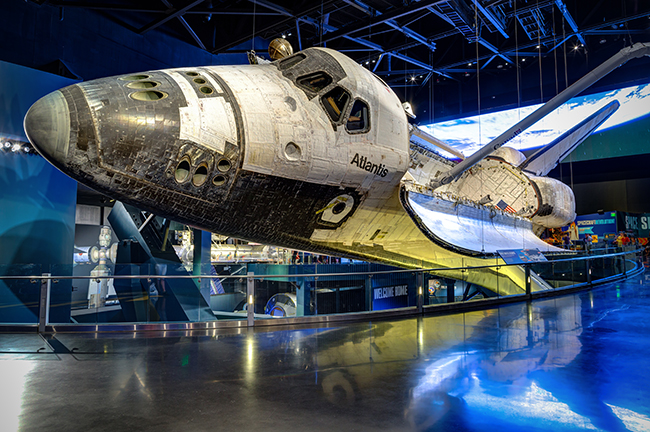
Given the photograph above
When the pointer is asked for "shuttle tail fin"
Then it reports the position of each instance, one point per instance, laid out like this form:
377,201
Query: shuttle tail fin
547,158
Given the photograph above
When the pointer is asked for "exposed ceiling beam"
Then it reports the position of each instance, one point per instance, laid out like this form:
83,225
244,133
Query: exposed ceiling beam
569,19
490,17
392,23
519,50
397,13
373,46
484,65
187,26
494,49
289,16
298,35
403,71
114,7
613,32
533,6
171,14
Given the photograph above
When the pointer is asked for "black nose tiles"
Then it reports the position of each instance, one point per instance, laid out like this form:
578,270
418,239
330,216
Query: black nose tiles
47,125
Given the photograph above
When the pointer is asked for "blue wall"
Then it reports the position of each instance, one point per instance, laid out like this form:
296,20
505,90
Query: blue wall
91,45
37,206
37,213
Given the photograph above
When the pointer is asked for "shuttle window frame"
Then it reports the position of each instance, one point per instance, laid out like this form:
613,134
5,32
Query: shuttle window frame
363,119
314,82
289,62
333,103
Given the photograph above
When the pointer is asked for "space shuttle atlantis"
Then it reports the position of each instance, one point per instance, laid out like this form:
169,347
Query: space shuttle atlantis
311,152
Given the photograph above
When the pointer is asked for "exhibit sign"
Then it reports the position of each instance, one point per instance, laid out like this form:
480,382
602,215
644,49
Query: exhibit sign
639,224
597,224
521,256
390,297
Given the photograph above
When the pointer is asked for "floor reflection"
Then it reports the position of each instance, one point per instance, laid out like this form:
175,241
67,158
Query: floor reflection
572,363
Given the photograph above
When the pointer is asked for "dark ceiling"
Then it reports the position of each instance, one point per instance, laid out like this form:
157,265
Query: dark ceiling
443,56
432,52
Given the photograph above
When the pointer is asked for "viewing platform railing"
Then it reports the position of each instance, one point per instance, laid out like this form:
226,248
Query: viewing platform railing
156,297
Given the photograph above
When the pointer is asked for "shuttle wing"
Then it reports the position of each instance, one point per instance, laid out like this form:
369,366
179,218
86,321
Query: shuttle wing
546,158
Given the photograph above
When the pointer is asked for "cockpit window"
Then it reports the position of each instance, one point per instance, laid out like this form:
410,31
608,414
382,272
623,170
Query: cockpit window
315,82
358,120
290,62
334,102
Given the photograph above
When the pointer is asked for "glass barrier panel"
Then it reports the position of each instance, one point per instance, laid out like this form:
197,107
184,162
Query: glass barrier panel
219,292
544,271
278,294
578,272
227,287
432,289
447,286
394,290
343,293
140,300
19,298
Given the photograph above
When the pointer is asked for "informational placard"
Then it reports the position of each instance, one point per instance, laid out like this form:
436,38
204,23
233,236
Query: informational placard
521,256
597,224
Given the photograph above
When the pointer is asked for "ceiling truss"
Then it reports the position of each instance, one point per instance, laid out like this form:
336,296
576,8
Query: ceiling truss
390,36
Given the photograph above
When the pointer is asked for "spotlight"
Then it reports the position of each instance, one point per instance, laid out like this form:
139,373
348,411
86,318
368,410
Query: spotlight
16,148
500,66
538,46
470,63
523,59
575,48
26,148
288,34
284,36
367,62
7,145
374,61
603,40
412,78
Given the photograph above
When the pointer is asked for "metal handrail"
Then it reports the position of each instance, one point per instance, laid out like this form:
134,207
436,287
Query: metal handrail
46,280
306,275
362,273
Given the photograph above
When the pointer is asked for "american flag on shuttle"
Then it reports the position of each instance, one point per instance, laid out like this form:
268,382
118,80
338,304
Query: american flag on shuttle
503,206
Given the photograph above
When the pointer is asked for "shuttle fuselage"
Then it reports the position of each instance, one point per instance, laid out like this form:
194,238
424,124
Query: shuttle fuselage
269,153
310,152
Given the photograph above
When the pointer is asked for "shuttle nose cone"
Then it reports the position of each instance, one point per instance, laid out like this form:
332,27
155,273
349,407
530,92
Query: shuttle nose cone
47,125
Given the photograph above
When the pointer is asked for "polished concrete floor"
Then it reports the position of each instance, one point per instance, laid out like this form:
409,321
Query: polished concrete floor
577,362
